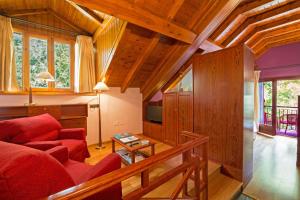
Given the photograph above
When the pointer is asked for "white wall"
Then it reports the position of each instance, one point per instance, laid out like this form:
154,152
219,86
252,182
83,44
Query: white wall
120,112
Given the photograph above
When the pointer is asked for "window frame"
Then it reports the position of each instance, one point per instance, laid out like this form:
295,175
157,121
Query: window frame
26,35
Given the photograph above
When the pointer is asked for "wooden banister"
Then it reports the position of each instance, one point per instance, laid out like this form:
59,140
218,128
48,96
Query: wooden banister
189,164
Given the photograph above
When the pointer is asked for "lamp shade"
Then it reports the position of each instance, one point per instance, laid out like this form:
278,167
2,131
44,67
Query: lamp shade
45,76
101,86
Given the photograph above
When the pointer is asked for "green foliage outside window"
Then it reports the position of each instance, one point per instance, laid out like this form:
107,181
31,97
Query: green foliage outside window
18,50
287,93
62,65
268,93
38,59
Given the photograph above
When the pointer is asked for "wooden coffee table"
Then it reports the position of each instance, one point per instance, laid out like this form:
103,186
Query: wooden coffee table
133,149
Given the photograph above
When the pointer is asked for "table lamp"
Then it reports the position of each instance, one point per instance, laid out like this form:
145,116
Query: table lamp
99,88
43,76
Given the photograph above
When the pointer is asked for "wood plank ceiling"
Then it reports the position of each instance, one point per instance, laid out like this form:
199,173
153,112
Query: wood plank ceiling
162,35
60,14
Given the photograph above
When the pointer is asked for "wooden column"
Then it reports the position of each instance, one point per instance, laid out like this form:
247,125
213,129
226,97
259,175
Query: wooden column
274,106
298,135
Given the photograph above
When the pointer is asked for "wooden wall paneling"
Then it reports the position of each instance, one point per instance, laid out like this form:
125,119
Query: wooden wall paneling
219,106
106,44
185,112
153,130
170,118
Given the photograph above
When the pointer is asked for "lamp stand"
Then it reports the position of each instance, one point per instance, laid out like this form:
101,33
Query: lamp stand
100,144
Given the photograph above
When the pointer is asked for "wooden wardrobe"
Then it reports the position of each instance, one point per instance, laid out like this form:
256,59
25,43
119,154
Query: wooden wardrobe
177,115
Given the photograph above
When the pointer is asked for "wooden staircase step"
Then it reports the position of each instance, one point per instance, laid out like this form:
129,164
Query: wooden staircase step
223,187
214,169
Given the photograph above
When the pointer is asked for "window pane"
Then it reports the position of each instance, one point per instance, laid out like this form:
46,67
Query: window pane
287,93
38,61
18,47
62,65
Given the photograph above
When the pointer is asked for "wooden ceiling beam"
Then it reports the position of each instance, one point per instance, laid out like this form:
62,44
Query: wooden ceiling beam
153,43
25,12
87,12
271,22
73,25
180,53
236,18
100,29
278,40
274,31
130,12
92,14
265,15
210,46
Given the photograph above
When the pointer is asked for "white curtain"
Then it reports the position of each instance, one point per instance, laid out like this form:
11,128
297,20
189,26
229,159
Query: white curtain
8,76
256,100
85,77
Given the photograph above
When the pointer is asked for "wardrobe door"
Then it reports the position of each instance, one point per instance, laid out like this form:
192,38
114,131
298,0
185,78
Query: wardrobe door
170,118
185,112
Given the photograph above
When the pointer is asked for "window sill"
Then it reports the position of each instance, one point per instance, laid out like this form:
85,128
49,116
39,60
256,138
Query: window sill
49,93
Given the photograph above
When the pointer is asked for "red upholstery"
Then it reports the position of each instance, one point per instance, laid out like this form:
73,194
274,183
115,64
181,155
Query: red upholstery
77,149
27,173
44,128
43,145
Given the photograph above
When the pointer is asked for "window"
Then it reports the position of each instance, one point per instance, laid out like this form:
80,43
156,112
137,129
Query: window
18,47
38,61
39,53
62,65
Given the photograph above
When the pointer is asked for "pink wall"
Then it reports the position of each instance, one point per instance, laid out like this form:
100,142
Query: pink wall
121,112
157,97
280,62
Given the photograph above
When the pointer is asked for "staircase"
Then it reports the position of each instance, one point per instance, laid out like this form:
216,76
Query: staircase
221,187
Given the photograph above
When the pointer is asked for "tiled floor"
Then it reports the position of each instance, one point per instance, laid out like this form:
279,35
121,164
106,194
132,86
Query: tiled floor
276,176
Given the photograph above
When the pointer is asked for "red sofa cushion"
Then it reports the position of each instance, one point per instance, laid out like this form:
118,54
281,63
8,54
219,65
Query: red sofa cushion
60,153
27,173
43,145
37,128
77,149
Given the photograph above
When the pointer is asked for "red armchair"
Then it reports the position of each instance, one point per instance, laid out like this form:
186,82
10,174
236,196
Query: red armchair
27,173
44,132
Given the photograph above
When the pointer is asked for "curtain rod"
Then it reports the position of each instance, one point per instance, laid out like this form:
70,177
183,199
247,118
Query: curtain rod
42,26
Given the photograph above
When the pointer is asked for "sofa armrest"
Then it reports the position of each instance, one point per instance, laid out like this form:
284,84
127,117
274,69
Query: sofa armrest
60,153
72,133
43,145
108,164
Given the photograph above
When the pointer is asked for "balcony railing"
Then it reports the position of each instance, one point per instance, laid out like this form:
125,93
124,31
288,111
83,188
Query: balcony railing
286,117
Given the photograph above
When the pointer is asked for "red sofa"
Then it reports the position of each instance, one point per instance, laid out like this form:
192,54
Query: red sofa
44,132
27,173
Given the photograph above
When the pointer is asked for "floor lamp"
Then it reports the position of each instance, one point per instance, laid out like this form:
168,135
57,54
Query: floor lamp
99,88
42,76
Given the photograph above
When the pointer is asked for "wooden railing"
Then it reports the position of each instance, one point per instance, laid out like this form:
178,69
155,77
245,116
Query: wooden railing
193,149
282,112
